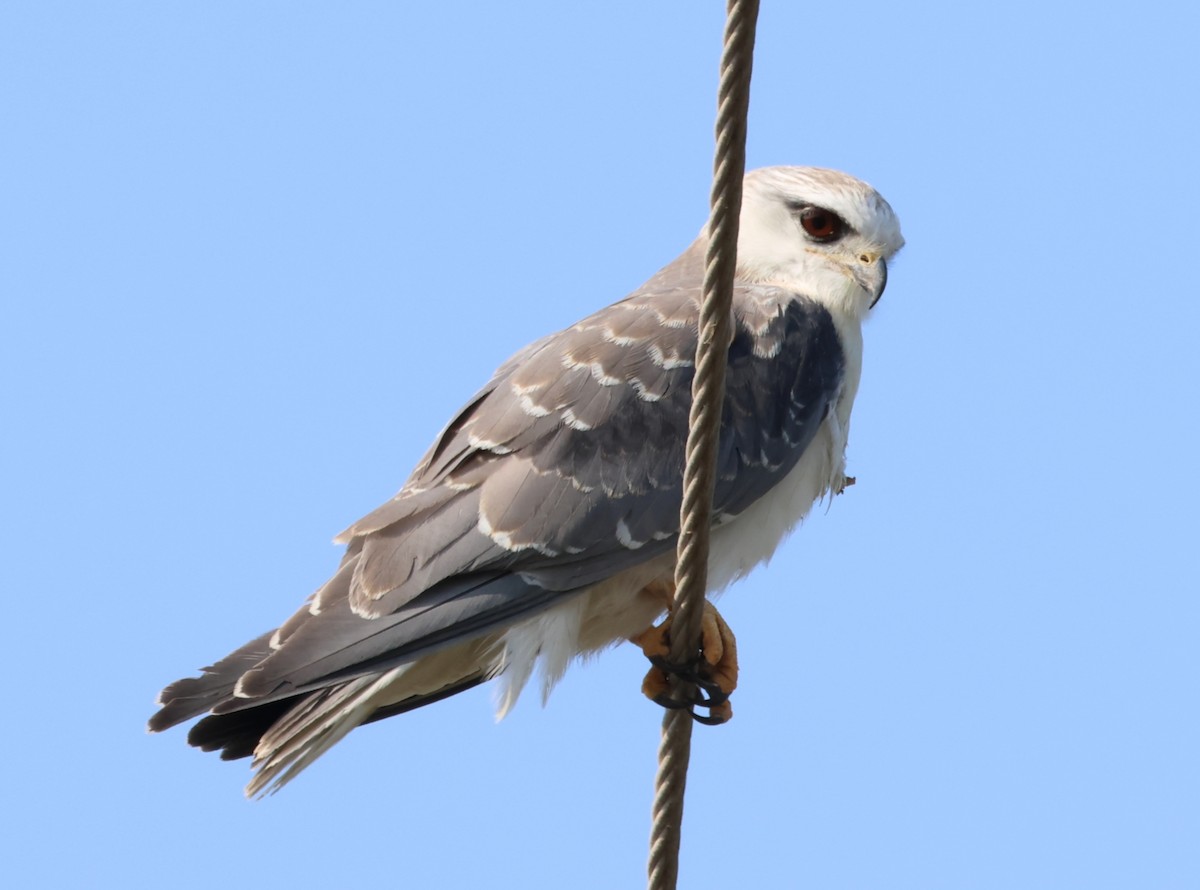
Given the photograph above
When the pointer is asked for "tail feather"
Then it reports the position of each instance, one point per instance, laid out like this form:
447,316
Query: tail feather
236,735
311,728
286,734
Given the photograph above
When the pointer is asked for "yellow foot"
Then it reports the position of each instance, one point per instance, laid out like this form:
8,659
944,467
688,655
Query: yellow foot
717,671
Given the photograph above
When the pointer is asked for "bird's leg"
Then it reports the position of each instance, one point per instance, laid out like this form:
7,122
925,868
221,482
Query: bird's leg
715,670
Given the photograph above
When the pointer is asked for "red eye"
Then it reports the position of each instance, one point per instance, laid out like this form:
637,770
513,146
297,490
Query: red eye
821,224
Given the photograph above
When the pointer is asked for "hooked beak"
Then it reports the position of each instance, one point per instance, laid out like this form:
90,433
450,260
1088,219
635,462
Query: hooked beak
882,281
872,277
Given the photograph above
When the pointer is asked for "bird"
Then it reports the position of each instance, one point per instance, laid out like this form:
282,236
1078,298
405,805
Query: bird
542,524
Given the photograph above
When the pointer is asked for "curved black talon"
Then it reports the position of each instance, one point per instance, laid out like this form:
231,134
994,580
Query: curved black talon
674,704
716,695
707,694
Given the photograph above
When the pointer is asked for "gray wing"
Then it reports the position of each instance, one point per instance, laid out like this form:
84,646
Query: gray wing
563,471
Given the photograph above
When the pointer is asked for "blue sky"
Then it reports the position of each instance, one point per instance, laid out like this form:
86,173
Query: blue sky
254,256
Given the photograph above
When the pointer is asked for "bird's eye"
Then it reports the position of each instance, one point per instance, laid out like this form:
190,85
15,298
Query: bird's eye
822,224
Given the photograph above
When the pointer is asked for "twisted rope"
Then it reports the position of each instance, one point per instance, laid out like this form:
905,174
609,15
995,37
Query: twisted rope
708,391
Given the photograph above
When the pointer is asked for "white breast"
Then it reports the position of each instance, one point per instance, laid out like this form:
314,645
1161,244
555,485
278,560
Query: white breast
750,539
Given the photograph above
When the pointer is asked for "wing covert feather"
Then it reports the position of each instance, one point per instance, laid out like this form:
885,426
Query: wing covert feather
565,469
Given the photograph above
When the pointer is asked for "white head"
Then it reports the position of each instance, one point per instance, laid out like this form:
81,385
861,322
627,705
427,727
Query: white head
818,232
